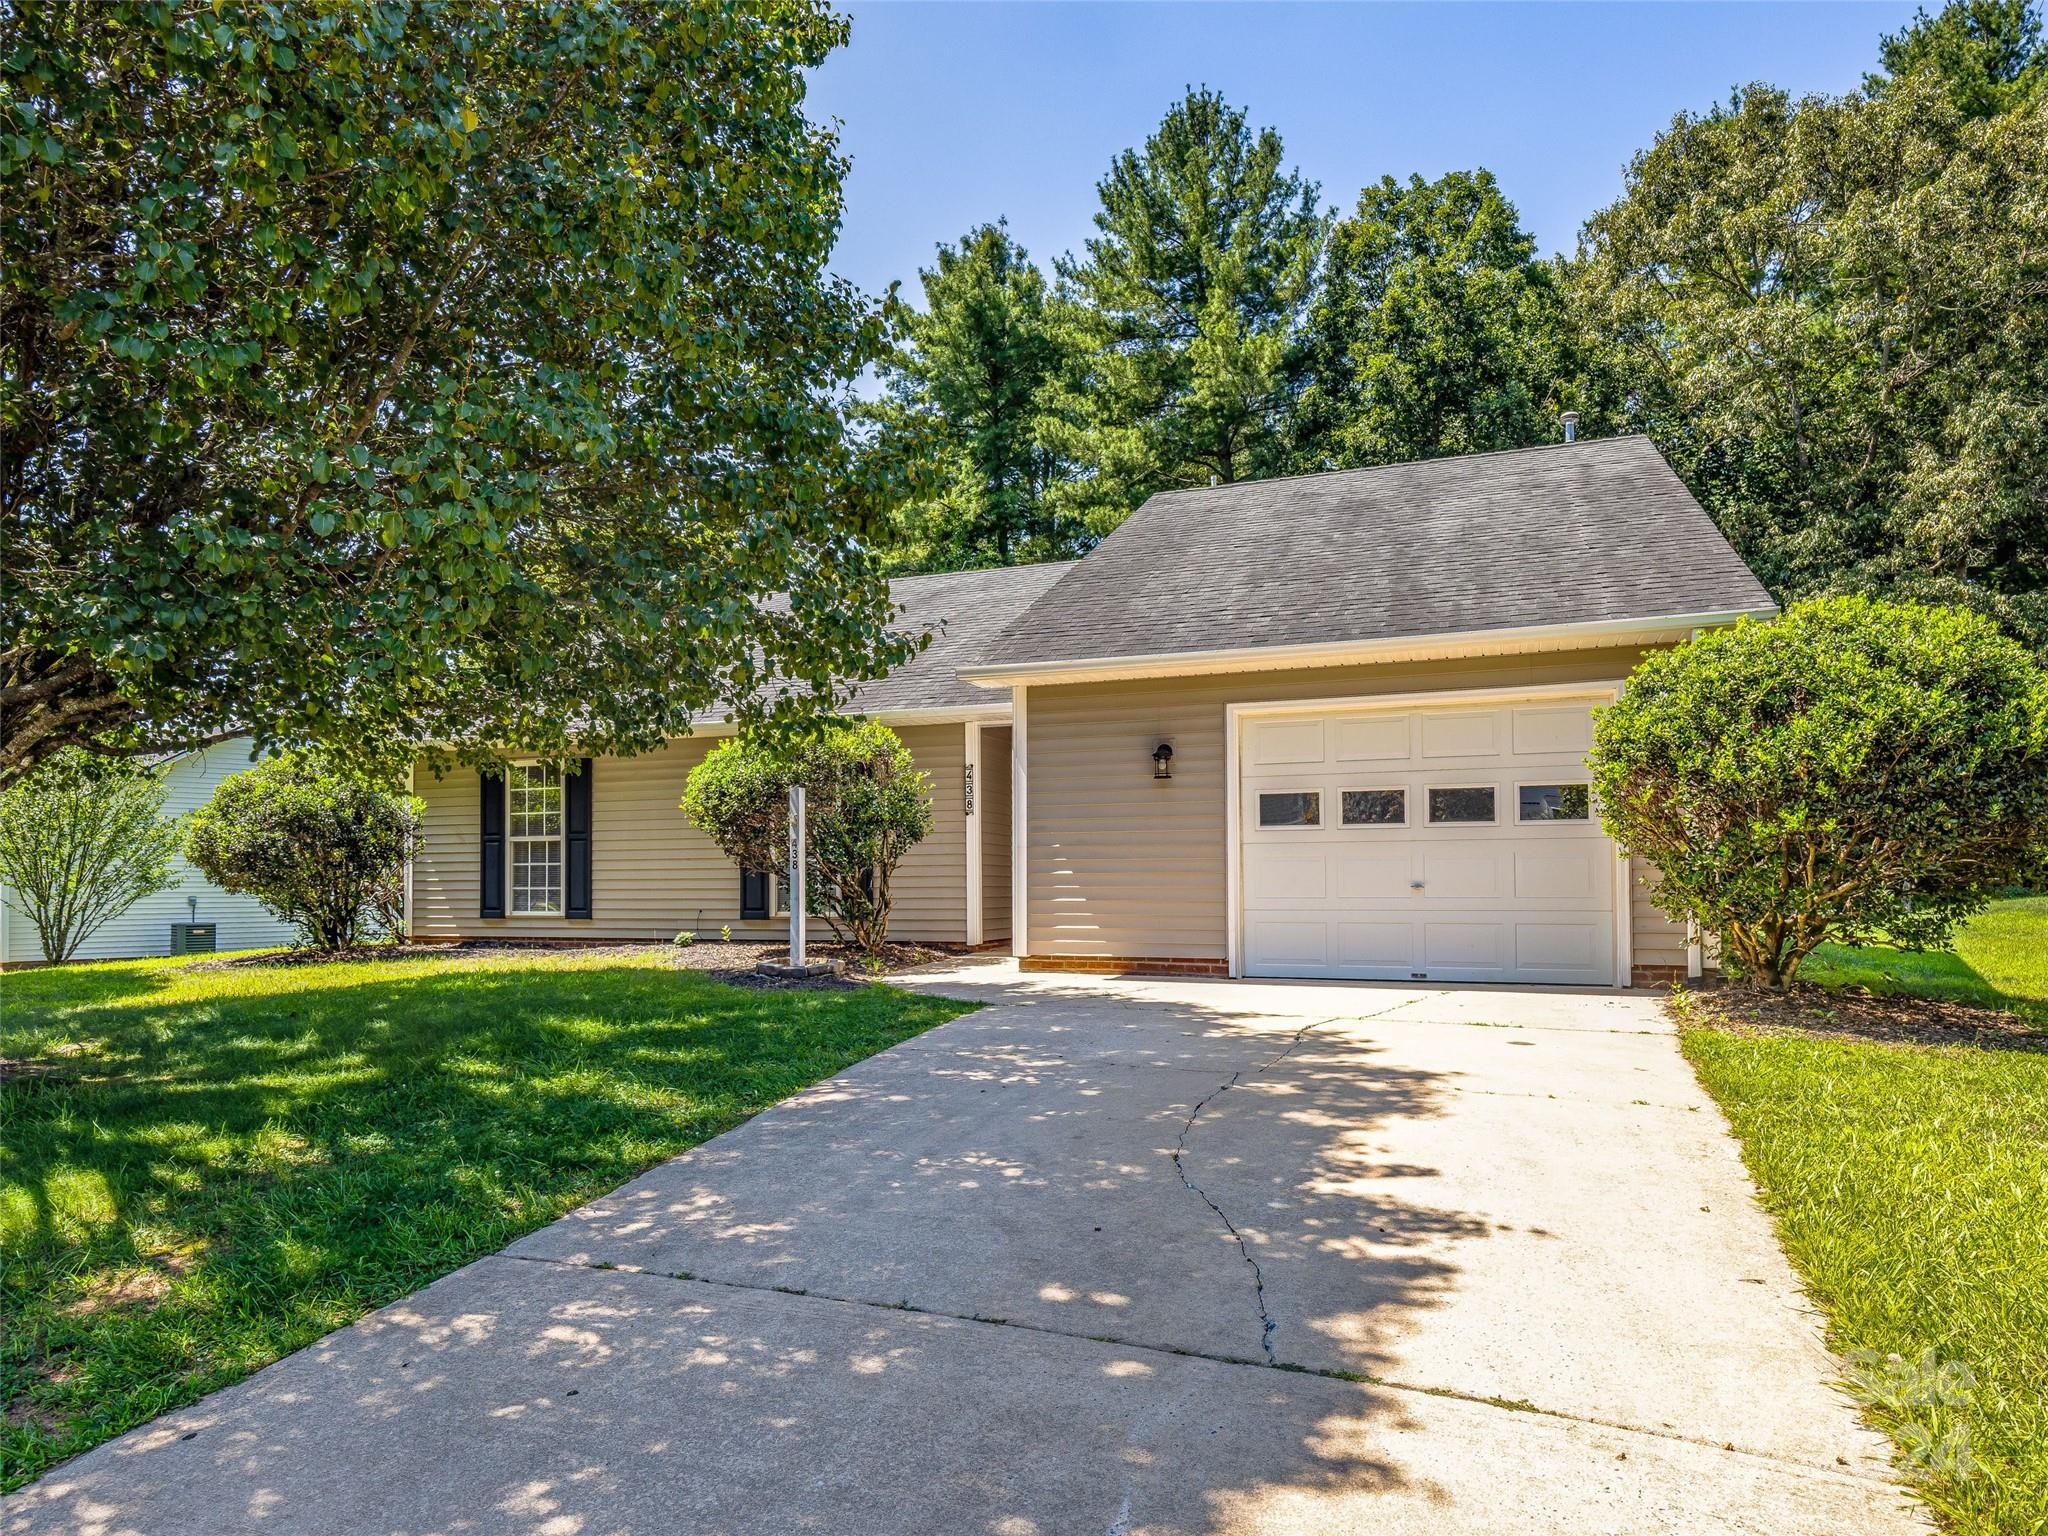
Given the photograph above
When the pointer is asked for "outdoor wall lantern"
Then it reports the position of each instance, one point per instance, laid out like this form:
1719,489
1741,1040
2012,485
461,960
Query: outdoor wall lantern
1162,761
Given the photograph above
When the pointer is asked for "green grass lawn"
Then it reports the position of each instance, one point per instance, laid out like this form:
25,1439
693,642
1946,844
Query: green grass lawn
223,1165
1910,1184
2000,961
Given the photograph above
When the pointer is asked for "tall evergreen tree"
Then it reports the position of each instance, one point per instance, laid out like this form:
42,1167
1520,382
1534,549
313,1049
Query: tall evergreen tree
972,385
1436,330
1986,54
1190,298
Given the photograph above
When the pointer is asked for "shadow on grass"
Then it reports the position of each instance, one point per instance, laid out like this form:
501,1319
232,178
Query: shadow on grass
236,1162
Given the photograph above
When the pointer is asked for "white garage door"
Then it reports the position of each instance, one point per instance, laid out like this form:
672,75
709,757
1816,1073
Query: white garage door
1446,844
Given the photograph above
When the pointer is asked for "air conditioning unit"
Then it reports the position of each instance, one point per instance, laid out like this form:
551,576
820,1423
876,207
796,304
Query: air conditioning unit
191,938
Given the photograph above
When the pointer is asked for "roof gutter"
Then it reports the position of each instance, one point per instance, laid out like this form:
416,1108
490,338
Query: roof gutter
1267,658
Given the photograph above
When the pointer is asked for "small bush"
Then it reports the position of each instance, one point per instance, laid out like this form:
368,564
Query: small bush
866,806
1854,771
322,849
82,839
684,939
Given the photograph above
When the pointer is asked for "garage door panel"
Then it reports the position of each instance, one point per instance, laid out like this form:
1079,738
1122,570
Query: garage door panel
1281,742
1568,873
1540,732
1373,739
1374,875
1280,942
1463,873
1461,735
1387,946
1271,875
1563,946
1448,944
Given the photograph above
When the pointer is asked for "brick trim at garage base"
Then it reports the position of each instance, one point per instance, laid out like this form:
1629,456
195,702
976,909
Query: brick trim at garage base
1656,975
1123,965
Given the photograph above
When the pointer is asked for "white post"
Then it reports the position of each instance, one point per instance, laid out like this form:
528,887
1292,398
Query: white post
796,875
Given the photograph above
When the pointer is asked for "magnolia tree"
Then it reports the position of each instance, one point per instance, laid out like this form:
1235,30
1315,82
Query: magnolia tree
866,806
322,848
1854,771
80,844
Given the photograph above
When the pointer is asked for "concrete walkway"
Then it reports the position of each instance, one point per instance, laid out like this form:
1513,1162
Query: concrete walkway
1106,1257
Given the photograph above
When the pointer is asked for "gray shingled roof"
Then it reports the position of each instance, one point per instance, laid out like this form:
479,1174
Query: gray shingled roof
965,610
1574,532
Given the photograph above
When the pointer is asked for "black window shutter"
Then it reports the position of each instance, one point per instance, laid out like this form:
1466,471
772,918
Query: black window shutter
576,838
753,894
491,855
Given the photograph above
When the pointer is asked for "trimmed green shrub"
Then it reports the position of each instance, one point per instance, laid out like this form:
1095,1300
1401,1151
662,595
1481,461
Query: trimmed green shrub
323,849
866,806
1854,771
83,839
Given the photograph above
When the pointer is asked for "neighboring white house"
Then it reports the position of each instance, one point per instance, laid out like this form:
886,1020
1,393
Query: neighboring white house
240,922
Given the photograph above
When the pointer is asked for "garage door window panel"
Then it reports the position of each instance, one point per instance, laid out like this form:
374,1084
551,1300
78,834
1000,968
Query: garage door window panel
1375,807
1291,808
1463,805
1554,802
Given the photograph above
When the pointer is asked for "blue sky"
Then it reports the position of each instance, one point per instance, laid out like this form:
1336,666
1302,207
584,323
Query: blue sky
956,113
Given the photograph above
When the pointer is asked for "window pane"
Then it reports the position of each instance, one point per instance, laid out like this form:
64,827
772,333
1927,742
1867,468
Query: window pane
1556,802
1295,808
533,800
537,876
1454,805
1375,807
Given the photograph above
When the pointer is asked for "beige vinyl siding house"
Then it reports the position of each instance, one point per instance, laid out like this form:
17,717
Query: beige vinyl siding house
239,922
1377,689
1333,726
653,875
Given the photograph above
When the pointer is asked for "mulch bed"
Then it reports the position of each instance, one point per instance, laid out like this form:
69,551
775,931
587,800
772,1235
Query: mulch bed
732,961
271,959
735,962
1855,1014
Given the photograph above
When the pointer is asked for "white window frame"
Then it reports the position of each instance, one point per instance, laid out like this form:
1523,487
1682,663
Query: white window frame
1372,789
1430,821
559,838
1258,816
1591,817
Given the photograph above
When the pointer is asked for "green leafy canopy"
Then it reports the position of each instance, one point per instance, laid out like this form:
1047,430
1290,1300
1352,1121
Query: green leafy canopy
1435,330
435,372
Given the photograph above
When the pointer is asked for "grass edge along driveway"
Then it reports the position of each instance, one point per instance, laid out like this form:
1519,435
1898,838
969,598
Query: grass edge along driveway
1909,1184
208,1168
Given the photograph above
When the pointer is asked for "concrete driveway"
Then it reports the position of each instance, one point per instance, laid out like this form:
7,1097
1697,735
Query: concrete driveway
1111,1257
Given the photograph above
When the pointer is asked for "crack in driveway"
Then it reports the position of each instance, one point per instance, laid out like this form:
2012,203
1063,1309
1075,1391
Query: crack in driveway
1268,1324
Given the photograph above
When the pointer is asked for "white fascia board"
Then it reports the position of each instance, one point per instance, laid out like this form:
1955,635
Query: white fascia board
1269,658
994,713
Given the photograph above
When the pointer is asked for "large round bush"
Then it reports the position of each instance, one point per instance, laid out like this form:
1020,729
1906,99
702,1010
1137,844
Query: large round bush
323,849
1854,771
